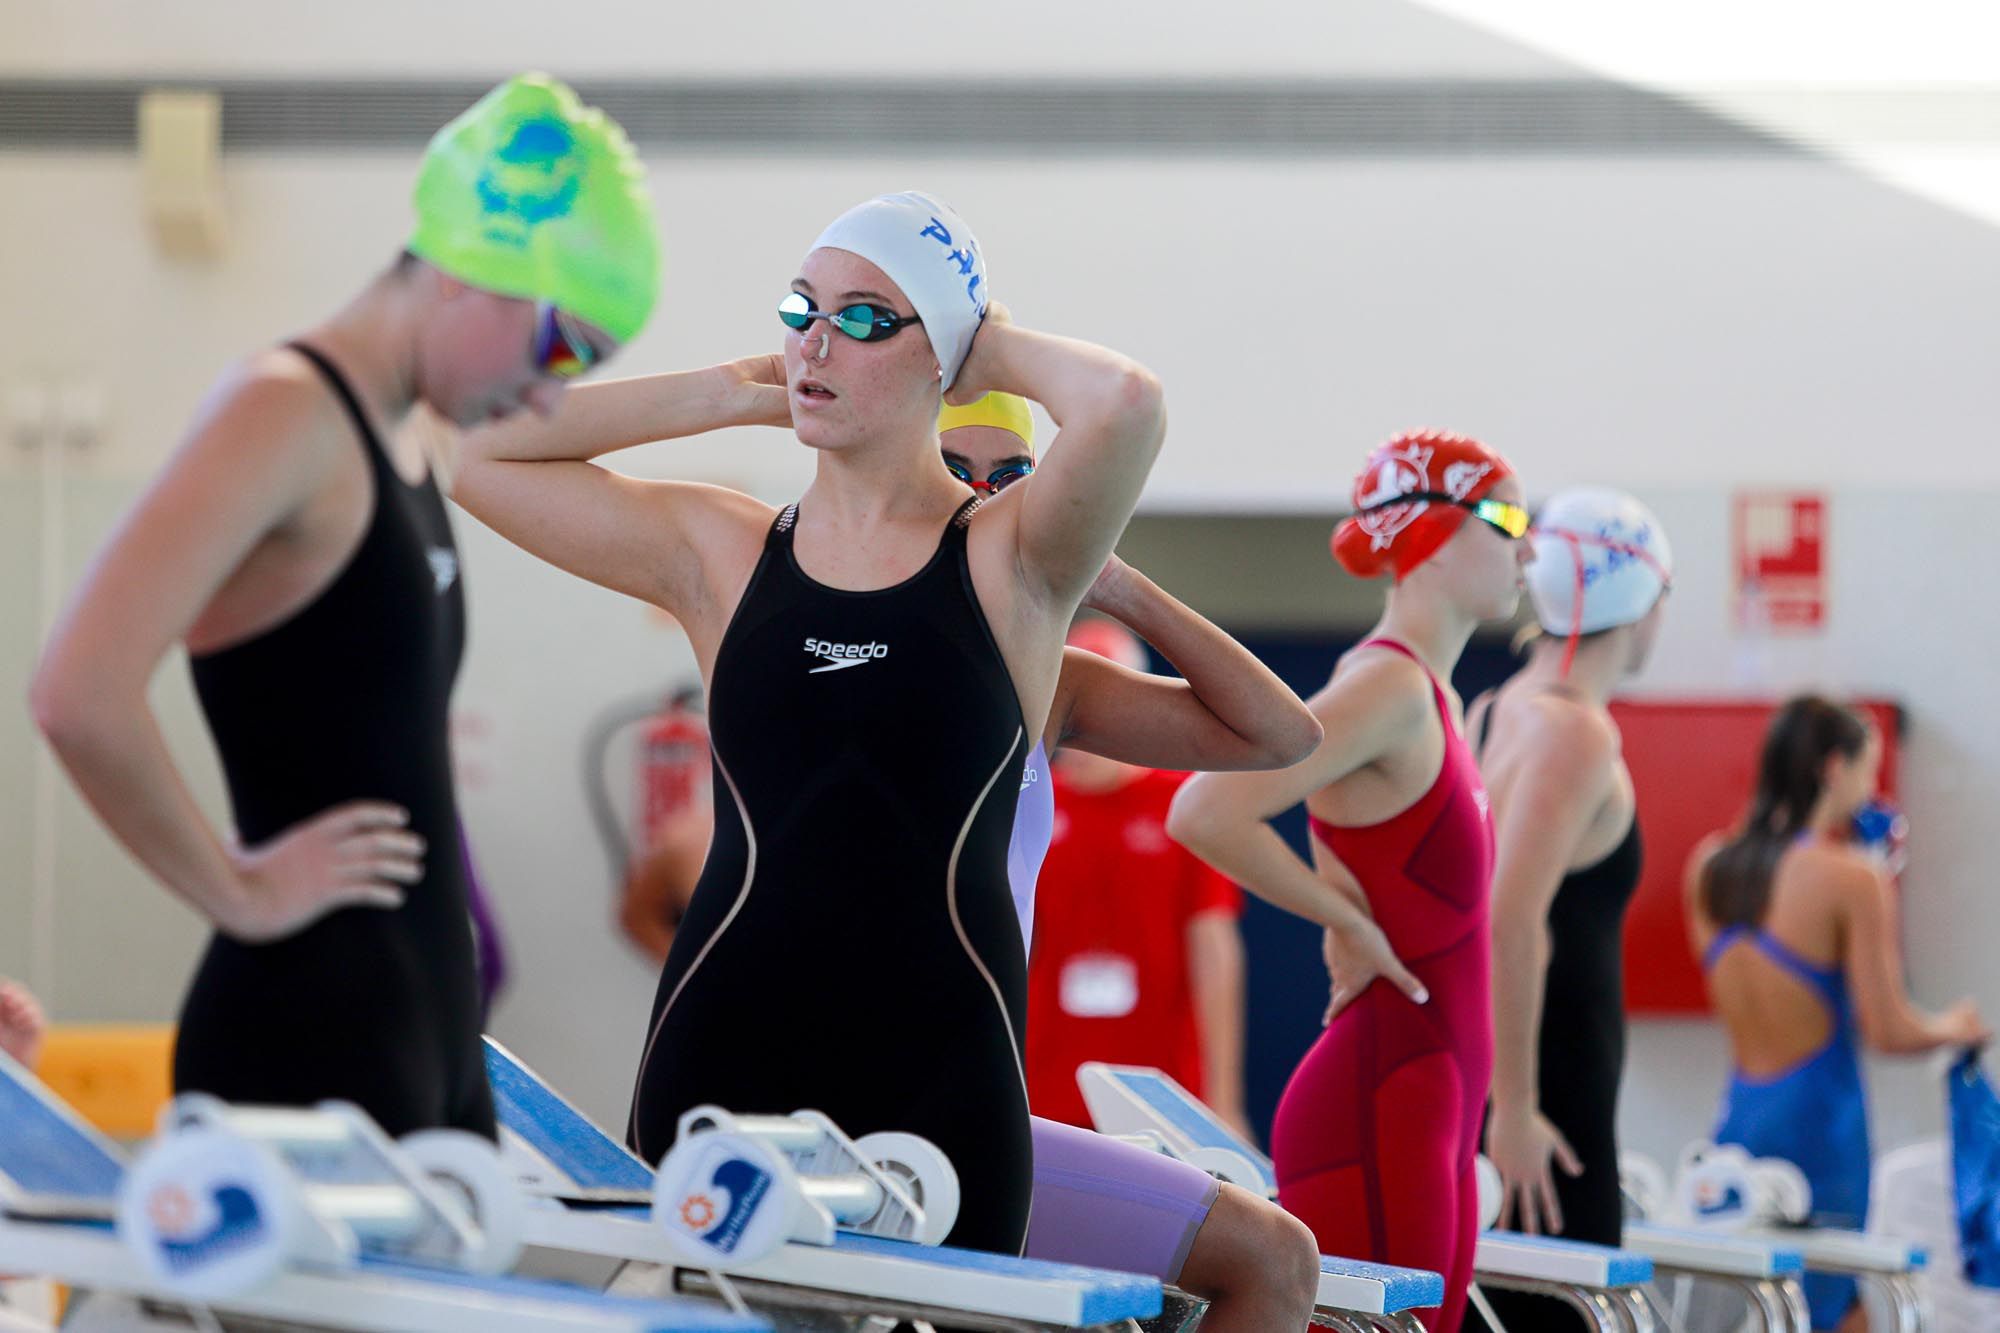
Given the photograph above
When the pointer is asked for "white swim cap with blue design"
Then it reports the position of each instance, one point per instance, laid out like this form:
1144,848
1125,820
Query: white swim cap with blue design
1601,560
929,251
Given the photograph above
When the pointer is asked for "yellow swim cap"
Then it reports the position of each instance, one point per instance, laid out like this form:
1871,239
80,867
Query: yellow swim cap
1010,412
532,194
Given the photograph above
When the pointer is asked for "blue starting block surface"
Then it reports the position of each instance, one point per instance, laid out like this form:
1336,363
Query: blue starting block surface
1100,1297
1835,1251
51,1162
567,1138
1720,1253
1173,1111
1351,1284
967,1284
1573,1263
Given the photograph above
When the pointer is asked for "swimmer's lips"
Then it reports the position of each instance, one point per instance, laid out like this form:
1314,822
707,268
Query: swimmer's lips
814,391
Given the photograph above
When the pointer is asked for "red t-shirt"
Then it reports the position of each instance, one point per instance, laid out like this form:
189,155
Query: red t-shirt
1108,973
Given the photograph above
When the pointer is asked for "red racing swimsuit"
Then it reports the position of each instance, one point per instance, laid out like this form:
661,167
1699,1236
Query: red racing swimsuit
1375,1138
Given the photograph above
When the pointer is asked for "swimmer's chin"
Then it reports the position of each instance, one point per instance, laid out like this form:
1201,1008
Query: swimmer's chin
811,441
817,433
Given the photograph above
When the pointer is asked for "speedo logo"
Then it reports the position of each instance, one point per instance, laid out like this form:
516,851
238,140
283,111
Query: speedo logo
840,656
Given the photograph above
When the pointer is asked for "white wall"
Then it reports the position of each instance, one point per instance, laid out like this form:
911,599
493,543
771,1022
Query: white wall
1661,322
1025,39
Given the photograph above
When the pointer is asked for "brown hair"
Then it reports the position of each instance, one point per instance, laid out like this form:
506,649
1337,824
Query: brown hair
1736,883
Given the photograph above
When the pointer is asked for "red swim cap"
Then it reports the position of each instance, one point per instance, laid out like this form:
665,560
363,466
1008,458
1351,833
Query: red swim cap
1387,536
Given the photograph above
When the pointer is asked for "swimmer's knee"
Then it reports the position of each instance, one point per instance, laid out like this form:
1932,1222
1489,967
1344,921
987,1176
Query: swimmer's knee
1248,1241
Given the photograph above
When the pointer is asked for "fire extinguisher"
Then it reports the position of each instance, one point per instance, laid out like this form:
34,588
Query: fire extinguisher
673,767
671,773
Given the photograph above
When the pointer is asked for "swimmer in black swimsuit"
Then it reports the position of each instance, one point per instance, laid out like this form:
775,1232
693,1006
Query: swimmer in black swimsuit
300,548
1569,859
852,944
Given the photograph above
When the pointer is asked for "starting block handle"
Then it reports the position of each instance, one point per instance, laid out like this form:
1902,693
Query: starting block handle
287,1130
375,1213
785,1133
848,1198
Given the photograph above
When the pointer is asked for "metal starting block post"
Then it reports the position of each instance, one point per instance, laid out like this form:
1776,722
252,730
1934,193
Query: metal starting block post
1608,1287
1765,1274
1721,1191
1888,1265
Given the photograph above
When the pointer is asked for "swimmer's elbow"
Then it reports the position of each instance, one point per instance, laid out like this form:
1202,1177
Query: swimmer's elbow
77,711
1140,390
1296,738
61,708
1193,820
1135,397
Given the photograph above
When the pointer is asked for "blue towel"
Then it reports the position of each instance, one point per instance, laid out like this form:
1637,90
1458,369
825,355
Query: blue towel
1975,1169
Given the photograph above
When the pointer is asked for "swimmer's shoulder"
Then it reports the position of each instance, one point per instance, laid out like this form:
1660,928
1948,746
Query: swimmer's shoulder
271,415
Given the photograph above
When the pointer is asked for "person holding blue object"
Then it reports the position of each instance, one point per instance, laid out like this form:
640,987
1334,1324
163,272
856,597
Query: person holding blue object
1796,929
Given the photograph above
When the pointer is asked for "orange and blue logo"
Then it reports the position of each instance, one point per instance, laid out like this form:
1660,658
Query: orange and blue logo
194,1233
743,1184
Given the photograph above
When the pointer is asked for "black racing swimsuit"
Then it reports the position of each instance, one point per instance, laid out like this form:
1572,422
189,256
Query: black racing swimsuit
1581,1053
851,946
347,700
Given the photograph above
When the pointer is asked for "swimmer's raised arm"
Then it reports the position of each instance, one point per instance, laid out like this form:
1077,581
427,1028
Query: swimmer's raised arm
1228,711
532,482
602,418
1110,415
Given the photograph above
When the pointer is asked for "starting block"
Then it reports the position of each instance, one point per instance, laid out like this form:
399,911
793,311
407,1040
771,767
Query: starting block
1133,1102
1888,1265
1765,1275
739,1187
790,1203
1609,1287
292,1219
1723,1191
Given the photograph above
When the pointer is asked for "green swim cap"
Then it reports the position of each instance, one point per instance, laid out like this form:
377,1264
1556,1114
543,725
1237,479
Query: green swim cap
534,195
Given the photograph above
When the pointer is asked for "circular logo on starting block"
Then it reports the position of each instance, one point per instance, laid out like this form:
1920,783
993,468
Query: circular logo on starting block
1715,1187
724,1199
206,1213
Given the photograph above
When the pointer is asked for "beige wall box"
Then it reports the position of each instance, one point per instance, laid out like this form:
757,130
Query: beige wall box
180,155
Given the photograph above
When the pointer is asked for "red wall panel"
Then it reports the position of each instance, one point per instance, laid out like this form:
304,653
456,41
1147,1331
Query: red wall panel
1693,765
